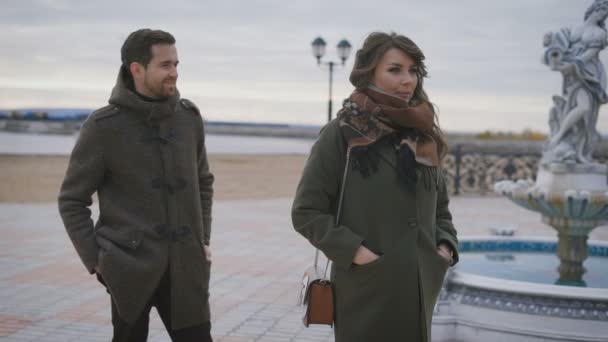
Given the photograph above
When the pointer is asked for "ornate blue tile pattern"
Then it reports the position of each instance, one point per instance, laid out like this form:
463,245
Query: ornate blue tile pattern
521,246
537,305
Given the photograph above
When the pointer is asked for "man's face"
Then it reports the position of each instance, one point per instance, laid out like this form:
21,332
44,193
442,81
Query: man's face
158,79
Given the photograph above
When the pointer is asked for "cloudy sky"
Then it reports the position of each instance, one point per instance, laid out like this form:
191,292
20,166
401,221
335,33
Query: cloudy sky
252,61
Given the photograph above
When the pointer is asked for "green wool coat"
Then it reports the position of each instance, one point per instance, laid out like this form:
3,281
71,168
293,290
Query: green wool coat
148,164
392,298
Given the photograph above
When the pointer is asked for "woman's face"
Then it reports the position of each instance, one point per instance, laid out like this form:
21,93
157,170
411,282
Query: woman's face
396,74
600,14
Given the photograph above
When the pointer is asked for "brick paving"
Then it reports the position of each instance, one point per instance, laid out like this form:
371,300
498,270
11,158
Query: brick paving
47,295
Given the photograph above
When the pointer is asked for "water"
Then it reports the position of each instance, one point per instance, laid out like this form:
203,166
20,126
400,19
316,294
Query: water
538,268
28,144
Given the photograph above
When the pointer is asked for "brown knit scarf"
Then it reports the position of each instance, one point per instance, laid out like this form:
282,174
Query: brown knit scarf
371,115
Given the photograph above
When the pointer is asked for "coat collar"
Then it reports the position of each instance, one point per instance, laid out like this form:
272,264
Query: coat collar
152,112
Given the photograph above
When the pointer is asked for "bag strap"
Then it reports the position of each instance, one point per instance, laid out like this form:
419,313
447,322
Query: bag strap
339,209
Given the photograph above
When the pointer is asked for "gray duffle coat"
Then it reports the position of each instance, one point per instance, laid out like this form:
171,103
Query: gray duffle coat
148,164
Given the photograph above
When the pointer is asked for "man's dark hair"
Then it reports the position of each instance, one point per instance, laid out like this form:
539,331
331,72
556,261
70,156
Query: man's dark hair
138,48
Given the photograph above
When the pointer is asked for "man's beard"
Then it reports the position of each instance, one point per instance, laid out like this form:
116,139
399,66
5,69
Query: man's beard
167,90
163,90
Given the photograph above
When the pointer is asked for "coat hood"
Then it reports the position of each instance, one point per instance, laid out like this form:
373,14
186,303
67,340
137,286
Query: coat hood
153,112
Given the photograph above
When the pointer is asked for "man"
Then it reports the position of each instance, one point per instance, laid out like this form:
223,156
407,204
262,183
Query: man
144,155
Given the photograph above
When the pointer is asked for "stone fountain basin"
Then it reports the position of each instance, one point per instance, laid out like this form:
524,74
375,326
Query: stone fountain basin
474,306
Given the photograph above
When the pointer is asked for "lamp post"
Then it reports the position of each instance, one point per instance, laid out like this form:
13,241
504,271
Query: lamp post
318,50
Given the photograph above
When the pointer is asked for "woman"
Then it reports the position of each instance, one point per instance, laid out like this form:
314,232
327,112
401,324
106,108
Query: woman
573,125
395,239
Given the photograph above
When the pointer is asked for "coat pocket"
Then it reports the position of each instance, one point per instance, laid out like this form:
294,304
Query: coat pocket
436,275
127,238
100,255
199,268
366,274
444,261
375,263
117,249
367,286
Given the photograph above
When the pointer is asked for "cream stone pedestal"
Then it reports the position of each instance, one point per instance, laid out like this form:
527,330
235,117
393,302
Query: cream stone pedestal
571,198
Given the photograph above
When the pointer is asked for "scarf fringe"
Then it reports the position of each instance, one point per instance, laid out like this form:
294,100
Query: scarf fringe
406,167
430,175
365,160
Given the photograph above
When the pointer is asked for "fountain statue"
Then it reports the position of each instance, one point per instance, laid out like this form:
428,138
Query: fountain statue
504,287
571,191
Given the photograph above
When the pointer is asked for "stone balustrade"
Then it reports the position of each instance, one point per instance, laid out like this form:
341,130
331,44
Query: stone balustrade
472,166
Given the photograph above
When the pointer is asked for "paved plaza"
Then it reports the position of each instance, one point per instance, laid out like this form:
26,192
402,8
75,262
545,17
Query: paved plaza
47,295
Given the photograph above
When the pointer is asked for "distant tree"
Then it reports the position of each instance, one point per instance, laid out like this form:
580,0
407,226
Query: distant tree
526,135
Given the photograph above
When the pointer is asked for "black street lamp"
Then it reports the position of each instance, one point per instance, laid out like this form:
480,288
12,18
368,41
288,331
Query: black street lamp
318,50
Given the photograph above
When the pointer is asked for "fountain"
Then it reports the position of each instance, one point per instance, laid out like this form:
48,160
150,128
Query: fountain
571,191
571,195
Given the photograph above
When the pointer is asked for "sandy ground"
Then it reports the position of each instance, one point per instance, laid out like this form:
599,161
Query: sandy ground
37,178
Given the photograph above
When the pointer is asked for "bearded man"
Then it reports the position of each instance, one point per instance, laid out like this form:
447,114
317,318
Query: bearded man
144,155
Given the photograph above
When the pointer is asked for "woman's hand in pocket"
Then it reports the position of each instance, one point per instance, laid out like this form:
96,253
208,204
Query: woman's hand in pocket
364,256
446,252
207,250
